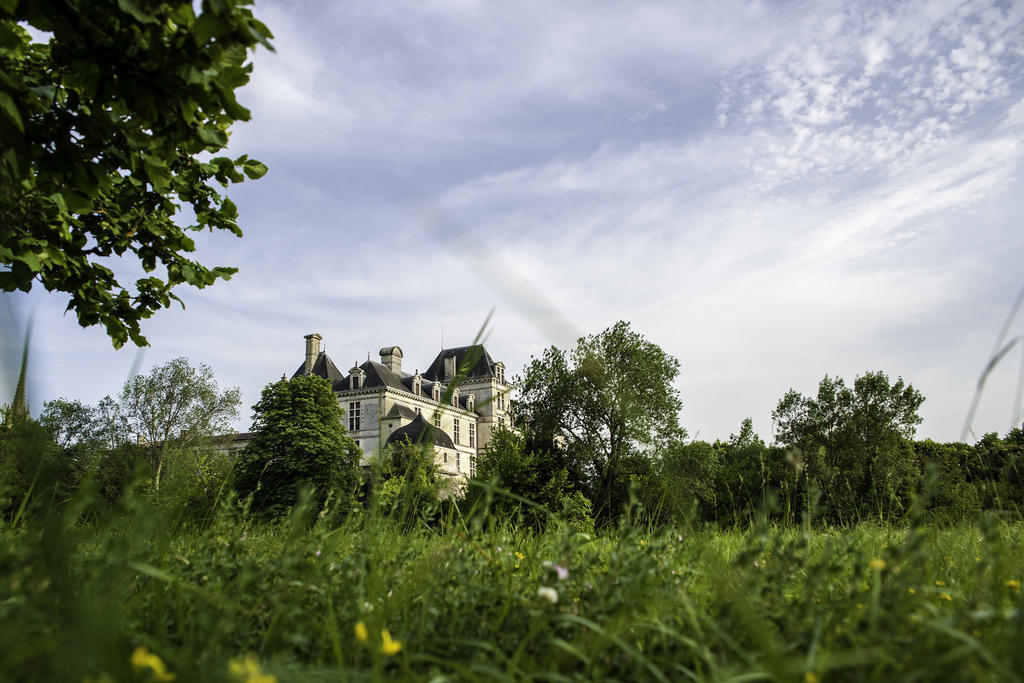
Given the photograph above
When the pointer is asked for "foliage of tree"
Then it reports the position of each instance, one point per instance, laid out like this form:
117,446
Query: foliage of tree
854,442
609,400
108,136
69,421
177,405
299,439
537,477
33,475
406,482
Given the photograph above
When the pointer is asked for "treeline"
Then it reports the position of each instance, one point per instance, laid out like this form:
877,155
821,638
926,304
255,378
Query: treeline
598,427
596,437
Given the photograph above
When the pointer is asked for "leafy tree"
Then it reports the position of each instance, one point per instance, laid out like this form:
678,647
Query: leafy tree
531,475
176,405
855,442
609,399
33,474
69,421
407,484
300,439
107,136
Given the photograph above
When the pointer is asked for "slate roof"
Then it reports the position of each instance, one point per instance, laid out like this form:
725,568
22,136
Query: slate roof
323,367
399,410
420,431
376,375
482,363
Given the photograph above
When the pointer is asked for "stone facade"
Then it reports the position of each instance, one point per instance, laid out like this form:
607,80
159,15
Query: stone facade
463,394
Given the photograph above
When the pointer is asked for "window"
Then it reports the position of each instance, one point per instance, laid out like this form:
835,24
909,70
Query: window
353,416
472,435
458,467
499,373
357,444
472,465
455,431
436,391
437,419
446,458
501,402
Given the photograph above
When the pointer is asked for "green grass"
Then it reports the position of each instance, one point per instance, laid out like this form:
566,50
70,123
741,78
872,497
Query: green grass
79,595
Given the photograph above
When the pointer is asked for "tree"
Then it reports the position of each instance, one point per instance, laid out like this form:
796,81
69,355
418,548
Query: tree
611,398
176,405
69,421
531,475
107,137
855,442
300,439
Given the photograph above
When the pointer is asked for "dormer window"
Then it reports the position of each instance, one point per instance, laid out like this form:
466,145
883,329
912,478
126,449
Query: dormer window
356,377
499,372
417,383
470,400
437,391
455,397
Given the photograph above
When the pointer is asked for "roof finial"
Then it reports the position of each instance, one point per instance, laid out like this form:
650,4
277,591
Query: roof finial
367,356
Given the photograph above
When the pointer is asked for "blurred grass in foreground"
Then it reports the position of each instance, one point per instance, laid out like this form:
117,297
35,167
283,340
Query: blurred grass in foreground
82,590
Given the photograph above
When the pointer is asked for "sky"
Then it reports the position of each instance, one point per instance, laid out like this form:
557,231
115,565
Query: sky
771,192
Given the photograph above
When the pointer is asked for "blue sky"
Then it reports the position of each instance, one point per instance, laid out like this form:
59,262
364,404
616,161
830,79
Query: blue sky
770,192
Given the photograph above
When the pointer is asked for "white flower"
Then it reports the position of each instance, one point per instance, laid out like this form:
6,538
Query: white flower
549,594
562,572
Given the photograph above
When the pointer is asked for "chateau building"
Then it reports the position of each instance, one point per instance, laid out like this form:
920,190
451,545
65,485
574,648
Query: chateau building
455,404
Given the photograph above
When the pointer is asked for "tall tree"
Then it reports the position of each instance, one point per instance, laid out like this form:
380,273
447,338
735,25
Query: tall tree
611,398
299,439
69,421
855,442
108,130
177,404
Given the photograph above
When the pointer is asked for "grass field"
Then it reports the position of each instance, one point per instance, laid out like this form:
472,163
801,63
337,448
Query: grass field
126,599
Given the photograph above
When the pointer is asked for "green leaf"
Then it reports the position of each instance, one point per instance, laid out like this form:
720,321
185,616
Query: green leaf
132,8
11,109
254,169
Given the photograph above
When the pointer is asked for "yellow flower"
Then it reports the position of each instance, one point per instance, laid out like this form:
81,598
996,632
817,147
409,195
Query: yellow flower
945,596
940,583
519,555
389,647
247,670
142,658
877,564
810,678
912,591
643,542
1014,584
361,633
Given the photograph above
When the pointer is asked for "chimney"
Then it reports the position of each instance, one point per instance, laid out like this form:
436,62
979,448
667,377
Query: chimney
391,358
449,366
312,350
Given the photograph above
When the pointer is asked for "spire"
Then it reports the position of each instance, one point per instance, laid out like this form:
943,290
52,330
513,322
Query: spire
19,406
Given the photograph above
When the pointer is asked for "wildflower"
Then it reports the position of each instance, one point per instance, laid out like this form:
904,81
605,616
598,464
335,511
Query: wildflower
940,583
389,647
142,658
519,556
1014,584
247,670
877,564
549,594
318,552
945,596
361,633
562,572
810,678
642,542
912,591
